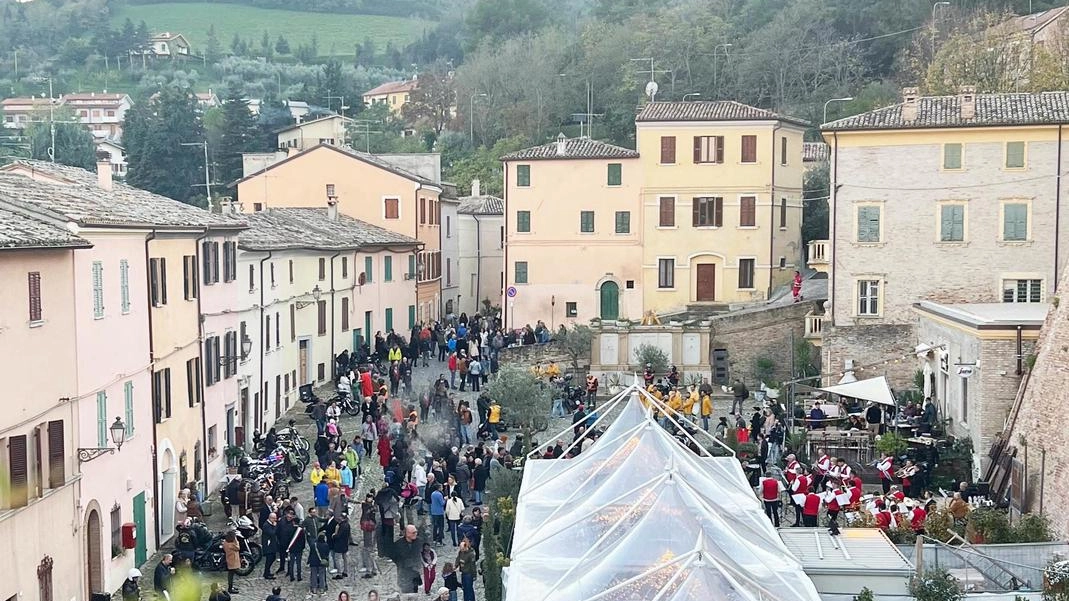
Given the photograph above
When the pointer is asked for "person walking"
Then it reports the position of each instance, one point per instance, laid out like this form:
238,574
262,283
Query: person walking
131,587
339,546
493,419
406,553
466,564
368,568
269,544
454,511
430,567
232,551
771,489
796,287
161,576
452,371
437,515
318,557
475,372
294,553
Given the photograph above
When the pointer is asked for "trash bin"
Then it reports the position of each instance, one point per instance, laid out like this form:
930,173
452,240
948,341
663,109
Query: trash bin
100,597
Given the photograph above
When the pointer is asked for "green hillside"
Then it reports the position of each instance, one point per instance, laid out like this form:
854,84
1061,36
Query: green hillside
337,31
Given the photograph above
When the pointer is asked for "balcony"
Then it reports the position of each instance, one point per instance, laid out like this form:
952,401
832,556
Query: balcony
818,256
814,328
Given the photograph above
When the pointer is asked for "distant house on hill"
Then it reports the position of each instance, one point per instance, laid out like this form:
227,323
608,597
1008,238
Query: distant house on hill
166,45
394,94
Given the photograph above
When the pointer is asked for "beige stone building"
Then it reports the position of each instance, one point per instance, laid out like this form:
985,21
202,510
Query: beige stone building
306,134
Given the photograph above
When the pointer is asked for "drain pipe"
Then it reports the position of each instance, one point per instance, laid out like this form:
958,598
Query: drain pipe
152,362
333,356
772,214
1057,209
197,275
478,261
260,359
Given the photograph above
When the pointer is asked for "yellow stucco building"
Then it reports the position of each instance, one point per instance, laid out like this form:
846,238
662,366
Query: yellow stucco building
394,94
721,202
573,233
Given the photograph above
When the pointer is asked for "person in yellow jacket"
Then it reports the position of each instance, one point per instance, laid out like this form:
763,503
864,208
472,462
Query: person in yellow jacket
332,474
675,403
394,353
317,473
553,371
707,411
689,402
493,418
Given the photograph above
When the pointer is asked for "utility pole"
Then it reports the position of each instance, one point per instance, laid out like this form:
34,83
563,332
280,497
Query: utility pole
207,178
716,88
652,72
51,122
364,127
341,106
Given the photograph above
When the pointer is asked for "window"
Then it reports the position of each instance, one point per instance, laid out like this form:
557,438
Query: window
322,269
33,285
448,227
291,270
57,459
668,150
252,278
951,156
293,324
783,262
783,150
213,440
868,224
411,267
666,211
102,419
746,269
267,333
586,221
271,272
345,267
868,297
128,408
44,578
615,174
523,222
748,211
422,211
368,264
571,309
623,222
749,149
448,272
708,211
523,176
161,394
189,277
1015,155
98,290
345,314
387,268
321,322
124,286
157,273
209,252
391,208
230,262
783,213
116,532
193,374
1015,222
952,223
389,319
521,272
19,471
666,273
708,149
964,399
411,316
1022,291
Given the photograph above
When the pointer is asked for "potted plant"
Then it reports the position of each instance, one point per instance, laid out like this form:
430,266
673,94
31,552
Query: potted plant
234,454
613,380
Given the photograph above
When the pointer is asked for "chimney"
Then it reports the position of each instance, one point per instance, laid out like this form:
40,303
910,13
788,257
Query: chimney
967,99
476,187
103,171
562,145
909,105
332,209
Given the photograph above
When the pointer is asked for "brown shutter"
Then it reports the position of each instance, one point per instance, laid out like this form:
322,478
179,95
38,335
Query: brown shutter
34,289
719,149
695,212
322,308
154,280
56,468
668,150
293,323
748,211
668,212
345,314
16,454
163,280
718,211
749,149
697,149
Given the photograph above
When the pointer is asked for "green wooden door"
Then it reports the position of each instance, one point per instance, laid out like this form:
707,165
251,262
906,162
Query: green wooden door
610,300
141,549
358,339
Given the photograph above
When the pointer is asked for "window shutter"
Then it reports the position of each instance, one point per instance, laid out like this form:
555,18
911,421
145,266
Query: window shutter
167,392
749,149
124,284
293,323
368,262
387,269
98,289
345,314
206,260
668,150
747,211
128,402
1016,222
719,149
102,419
16,454
34,288
868,224
695,211
163,281
187,285
952,156
718,211
56,469
322,317
697,149
668,212
1014,155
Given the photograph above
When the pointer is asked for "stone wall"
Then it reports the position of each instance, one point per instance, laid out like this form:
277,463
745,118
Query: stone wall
533,354
868,345
1041,420
748,336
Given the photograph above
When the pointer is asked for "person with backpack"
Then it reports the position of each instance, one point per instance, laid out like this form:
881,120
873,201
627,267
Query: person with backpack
318,557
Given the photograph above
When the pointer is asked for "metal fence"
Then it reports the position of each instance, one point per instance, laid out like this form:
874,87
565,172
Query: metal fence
991,571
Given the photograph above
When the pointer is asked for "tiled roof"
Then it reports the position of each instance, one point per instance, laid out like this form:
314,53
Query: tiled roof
356,154
312,228
310,121
1044,108
75,194
94,97
710,110
574,148
23,231
481,205
393,87
23,100
815,152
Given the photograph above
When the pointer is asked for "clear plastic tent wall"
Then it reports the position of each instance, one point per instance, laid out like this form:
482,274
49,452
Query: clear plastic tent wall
639,517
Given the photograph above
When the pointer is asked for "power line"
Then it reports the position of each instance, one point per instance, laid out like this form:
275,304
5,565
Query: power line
838,44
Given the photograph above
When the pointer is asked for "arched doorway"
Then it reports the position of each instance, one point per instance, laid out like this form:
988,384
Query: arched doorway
93,553
610,300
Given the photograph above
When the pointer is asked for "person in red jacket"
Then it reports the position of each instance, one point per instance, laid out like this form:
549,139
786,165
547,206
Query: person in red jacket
791,471
799,489
916,519
771,488
811,509
887,471
366,387
883,516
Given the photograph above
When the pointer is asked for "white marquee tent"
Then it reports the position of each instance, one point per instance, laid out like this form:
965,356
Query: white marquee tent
639,517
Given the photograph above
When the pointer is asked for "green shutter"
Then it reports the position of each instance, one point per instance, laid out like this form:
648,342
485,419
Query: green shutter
521,272
586,221
412,266
952,223
523,175
523,221
128,403
124,285
615,174
387,269
1014,155
411,316
1015,222
369,262
868,224
98,289
102,419
389,319
951,156
623,222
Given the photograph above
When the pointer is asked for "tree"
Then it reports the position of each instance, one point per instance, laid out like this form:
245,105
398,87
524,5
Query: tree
239,134
154,134
576,342
266,48
434,101
74,143
213,49
282,46
647,354
524,400
815,205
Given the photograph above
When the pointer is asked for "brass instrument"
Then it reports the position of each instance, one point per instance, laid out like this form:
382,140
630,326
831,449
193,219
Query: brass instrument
907,471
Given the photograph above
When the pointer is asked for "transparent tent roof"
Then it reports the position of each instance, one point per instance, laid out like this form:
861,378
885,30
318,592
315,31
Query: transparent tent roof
638,516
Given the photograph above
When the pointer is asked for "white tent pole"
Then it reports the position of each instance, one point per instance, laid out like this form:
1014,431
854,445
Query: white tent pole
668,412
664,590
686,557
608,406
575,462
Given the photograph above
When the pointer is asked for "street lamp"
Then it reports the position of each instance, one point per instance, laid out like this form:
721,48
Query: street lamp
316,294
471,115
118,436
725,46
935,8
845,99
694,94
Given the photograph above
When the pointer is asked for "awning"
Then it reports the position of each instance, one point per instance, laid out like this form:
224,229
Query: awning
873,389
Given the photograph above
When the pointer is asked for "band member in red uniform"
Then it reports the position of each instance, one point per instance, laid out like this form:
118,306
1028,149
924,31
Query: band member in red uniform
883,516
791,471
845,473
799,490
820,469
887,472
916,519
771,488
811,510
897,494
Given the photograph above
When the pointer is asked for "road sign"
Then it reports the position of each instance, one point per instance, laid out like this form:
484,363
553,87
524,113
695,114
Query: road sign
511,291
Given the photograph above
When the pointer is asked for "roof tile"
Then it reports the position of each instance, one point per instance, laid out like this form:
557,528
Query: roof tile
710,110
1044,108
574,148
393,87
481,205
312,228
23,231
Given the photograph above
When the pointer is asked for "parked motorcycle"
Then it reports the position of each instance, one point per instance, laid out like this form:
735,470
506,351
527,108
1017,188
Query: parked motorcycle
205,550
348,405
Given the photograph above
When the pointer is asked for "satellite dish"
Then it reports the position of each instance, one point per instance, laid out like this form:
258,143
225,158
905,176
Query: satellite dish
362,279
651,89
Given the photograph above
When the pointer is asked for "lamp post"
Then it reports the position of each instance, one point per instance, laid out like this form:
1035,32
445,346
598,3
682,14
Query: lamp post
935,8
117,431
694,94
317,293
844,99
471,115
